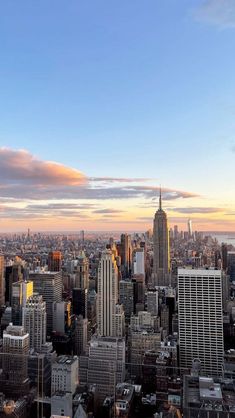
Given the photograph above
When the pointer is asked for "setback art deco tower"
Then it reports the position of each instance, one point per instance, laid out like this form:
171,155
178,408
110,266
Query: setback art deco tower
160,247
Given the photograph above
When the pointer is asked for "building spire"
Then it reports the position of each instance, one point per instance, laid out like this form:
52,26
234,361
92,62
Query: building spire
160,198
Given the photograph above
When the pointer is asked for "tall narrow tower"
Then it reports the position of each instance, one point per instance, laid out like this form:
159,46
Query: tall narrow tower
107,294
190,228
2,281
160,247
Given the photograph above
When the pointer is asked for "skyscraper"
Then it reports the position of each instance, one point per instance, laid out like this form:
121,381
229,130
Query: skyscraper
2,281
107,297
54,261
14,378
104,365
49,285
201,319
126,255
190,228
160,247
34,321
81,271
21,291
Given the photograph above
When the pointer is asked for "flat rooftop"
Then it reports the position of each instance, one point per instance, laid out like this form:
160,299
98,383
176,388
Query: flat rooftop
199,272
209,394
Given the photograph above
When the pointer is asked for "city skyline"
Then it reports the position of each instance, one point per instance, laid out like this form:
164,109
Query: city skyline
95,116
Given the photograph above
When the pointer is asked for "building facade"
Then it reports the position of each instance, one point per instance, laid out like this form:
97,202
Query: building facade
201,319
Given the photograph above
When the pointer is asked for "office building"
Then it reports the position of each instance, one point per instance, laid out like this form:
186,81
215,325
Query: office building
79,300
139,261
2,281
80,335
107,296
21,291
49,285
81,270
54,261
14,378
104,365
161,247
62,405
120,321
231,265
64,375
224,252
152,301
34,321
13,273
208,397
126,297
61,317
126,255
201,319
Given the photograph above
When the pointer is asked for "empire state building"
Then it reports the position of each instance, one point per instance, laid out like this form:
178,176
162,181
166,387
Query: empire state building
160,247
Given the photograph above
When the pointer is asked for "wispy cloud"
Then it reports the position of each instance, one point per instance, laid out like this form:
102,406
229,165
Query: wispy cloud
220,13
119,179
196,210
108,211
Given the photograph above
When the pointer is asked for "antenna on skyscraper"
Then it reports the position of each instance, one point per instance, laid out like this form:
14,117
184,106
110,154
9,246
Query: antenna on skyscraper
160,197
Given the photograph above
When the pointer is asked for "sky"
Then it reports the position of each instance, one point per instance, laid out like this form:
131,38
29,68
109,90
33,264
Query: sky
101,101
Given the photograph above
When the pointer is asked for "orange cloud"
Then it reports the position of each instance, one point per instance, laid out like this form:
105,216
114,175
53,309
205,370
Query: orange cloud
18,166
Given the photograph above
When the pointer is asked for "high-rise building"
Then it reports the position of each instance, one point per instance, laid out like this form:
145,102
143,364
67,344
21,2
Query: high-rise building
120,321
54,261
14,378
80,335
152,301
224,252
160,247
104,365
126,297
107,297
2,281
81,270
79,299
201,319
190,228
231,265
21,291
34,321
176,232
61,317
139,261
14,273
126,255
64,376
49,285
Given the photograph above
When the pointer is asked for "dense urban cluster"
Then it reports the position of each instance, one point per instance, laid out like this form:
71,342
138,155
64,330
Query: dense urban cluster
102,325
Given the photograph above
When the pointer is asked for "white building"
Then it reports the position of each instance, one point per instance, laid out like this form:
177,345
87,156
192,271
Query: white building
107,296
201,319
64,375
139,261
34,321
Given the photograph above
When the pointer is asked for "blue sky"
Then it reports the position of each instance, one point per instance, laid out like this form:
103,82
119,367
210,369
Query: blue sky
126,88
